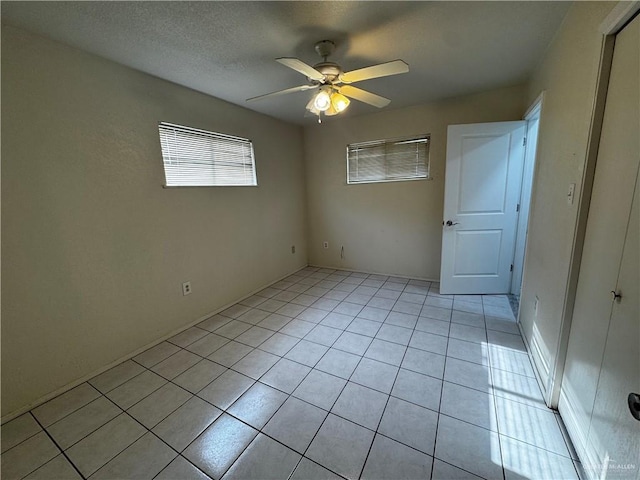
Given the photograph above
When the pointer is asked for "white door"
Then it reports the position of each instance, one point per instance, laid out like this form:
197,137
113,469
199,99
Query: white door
615,432
482,189
603,359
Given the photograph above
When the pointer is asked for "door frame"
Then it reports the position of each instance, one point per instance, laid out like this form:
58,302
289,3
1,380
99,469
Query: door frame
534,112
619,16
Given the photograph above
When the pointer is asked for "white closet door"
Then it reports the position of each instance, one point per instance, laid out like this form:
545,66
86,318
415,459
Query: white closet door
614,432
607,229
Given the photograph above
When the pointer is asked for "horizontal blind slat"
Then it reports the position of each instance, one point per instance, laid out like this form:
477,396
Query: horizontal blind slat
387,160
193,157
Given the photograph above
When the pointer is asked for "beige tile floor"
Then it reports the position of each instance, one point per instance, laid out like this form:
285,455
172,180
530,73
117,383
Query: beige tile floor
326,374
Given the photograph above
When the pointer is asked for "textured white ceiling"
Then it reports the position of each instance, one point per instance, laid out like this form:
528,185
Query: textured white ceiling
227,49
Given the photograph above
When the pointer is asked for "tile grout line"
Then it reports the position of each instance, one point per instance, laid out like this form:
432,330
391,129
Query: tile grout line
289,396
24,440
122,411
329,347
64,416
499,432
495,404
101,394
125,411
152,433
261,429
366,459
58,447
405,346
444,369
329,411
390,391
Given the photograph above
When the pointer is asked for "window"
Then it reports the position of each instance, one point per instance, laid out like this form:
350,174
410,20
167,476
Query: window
197,158
388,160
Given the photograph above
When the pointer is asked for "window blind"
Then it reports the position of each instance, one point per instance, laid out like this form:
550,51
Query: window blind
388,160
195,157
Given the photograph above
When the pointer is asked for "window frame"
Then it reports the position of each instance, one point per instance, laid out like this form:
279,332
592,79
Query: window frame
220,137
410,139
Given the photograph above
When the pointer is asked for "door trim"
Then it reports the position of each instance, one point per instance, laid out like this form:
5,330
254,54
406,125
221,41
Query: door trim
621,14
615,21
533,112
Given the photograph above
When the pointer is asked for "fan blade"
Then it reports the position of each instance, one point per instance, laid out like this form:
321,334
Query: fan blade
375,71
303,68
364,96
301,88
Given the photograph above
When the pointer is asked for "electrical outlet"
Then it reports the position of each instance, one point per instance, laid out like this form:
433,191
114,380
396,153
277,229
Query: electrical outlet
293,249
186,288
325,244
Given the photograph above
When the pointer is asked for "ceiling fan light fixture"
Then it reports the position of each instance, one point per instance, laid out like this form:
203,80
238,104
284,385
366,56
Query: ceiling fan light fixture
322,101
333,84
331,111
339,102
311,107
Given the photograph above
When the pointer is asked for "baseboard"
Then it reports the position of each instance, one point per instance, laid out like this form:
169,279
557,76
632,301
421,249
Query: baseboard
424,279
589,458
540,366
69,386
569,415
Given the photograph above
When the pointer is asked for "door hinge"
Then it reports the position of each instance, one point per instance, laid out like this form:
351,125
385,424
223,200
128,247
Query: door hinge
511,268
524,142
517,207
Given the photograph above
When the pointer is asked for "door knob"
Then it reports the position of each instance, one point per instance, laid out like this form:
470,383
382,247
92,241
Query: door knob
450,223
634,405
616,296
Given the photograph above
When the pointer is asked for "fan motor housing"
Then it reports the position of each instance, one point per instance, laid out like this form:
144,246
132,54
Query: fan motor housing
330,70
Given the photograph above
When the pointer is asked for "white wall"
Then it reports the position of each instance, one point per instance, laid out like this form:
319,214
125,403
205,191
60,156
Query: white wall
392,228
94,250
568,74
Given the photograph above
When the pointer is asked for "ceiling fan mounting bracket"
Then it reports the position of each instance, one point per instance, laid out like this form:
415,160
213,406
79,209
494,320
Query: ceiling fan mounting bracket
324,48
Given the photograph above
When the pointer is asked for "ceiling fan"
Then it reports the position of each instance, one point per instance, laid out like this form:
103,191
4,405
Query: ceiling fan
333,85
